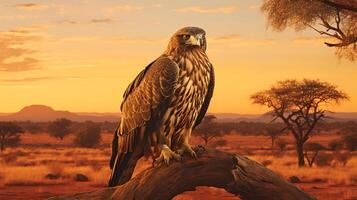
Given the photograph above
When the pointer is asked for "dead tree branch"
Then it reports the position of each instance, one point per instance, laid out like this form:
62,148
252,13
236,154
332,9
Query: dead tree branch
338,5
235,173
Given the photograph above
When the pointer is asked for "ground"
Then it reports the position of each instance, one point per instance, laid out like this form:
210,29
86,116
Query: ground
23,170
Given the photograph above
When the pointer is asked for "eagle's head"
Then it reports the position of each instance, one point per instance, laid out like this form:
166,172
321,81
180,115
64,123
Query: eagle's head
188,38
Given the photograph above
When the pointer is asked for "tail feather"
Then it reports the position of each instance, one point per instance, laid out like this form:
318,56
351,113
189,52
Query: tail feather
122,164
114,149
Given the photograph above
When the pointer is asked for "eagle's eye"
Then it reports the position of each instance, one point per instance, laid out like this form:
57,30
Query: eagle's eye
185,36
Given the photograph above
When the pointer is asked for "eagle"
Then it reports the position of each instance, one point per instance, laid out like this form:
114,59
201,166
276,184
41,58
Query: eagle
163,104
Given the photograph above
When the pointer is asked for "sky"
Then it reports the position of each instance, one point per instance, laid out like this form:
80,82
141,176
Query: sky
80,55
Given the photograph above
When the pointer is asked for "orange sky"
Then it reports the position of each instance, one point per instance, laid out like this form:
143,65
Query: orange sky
80,55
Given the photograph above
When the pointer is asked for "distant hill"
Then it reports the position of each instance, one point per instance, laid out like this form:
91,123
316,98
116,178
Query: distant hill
42,113
231,117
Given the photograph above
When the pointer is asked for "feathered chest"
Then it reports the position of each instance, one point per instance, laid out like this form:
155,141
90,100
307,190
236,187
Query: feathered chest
191,88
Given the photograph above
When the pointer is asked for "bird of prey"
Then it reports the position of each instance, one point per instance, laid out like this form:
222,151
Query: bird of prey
163,104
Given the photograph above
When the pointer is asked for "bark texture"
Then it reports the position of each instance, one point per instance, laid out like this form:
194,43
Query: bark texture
235,173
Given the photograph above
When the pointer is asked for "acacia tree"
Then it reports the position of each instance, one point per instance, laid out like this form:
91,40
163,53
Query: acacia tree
336,19
311,152
274,131
300,105
207,130
59,128
9,134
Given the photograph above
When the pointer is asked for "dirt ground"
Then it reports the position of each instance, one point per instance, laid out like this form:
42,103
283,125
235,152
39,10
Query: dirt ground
23,170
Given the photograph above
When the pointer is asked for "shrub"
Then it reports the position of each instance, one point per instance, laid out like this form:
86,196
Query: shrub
311,151
9,134
343,158
324,159
88,137
59,128
350,141
335,145
218,143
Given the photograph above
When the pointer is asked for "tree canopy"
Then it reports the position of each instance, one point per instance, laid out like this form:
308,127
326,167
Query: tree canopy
300,105
335,19
59,128
9,134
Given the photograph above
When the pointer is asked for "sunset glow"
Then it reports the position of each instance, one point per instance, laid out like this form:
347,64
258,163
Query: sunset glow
80,56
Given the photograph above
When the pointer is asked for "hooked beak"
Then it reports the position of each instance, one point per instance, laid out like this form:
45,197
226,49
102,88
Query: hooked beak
196,40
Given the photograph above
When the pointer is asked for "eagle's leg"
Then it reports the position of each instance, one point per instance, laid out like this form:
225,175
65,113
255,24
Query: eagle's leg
185,146
166,153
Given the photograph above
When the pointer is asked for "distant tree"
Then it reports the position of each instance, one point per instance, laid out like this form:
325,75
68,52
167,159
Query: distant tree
335,145
33,127
311,151
336,19
300,105
349,135
59,128
343,158
324,159
9,134
282,144
207,130
274,131
350,141
89,136
109,126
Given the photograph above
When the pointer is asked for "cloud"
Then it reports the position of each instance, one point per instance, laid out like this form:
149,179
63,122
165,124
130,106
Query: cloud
255,7
228,37
30,6
316,41
67,21
197,9
235,40
127,40
33,79
104,20
123,8
15,56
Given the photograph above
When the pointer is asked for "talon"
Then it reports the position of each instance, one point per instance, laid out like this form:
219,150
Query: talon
166,155
193,154
187,148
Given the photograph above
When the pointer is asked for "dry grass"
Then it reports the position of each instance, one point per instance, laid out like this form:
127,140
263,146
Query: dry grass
286,166
28,167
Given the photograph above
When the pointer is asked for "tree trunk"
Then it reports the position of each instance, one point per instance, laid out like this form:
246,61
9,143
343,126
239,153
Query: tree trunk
2,147
206,141
237,174
300,153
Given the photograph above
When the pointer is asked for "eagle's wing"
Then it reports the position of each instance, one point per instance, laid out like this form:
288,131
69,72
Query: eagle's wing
207,100
146,99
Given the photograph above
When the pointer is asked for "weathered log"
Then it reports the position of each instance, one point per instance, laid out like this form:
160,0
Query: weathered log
235,173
